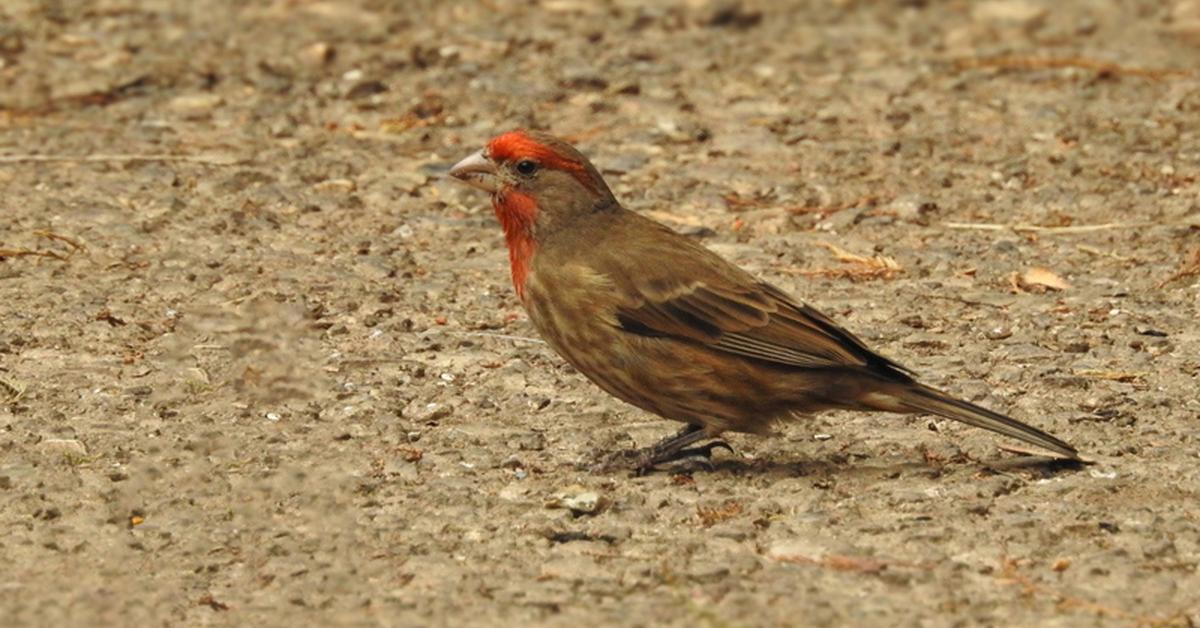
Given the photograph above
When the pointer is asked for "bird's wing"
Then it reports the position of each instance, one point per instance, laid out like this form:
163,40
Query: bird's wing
720,306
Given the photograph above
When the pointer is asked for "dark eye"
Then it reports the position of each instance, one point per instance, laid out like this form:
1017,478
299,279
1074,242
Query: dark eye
527,167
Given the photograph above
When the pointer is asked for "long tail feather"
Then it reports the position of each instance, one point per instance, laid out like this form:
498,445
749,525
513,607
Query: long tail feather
920,398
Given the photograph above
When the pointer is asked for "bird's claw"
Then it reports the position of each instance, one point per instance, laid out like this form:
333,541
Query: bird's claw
689,459
644,461
705,451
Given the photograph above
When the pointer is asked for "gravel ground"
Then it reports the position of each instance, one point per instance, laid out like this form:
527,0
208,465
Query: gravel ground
262,363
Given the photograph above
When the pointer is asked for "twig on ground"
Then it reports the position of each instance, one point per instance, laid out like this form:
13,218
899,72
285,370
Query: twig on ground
1189,267
856,564
859,268
484,334
1018,62
31,253
50,235
1125,377
984,226
965,301
1091,250
213,160
870,200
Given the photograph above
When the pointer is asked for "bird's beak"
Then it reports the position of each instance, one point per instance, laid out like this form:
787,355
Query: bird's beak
477,171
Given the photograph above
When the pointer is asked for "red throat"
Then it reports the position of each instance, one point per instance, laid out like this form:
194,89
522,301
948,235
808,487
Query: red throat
516,212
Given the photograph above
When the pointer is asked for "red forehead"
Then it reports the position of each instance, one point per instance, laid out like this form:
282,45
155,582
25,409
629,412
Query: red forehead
517,145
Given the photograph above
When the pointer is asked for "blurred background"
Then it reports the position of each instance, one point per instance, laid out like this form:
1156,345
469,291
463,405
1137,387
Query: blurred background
260,362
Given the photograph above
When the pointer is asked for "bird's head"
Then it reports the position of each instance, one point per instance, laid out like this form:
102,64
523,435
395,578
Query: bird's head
539,185
537,181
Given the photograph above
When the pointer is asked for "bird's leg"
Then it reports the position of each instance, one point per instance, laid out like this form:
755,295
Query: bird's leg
669,447
703,451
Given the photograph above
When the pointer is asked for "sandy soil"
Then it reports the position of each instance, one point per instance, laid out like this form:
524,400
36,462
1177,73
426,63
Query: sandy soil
262,364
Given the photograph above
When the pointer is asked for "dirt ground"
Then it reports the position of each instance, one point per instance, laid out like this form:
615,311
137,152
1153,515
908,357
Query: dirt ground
262,363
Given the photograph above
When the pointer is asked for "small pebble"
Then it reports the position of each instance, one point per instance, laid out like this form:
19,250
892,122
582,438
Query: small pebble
418,410
998,333
62,446
576,499
319,53
338,186
513,492
195,106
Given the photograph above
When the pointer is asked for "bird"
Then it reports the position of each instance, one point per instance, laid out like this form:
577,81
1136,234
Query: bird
660,322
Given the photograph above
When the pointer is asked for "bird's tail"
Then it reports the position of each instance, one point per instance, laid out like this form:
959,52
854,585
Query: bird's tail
918,398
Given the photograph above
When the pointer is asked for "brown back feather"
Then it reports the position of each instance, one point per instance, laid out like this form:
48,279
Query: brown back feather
689,293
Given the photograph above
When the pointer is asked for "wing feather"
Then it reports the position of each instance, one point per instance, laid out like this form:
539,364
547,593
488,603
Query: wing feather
756,321
694,295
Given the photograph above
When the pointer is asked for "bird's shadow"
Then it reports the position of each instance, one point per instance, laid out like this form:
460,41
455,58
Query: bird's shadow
1043,466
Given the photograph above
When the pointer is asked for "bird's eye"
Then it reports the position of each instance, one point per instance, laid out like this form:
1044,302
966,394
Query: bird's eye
527,167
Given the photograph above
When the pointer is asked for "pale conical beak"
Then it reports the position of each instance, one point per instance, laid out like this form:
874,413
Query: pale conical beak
477,171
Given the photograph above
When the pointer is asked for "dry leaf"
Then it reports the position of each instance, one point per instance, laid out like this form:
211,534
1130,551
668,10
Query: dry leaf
679,219
710,516
1038,279
858,267
839,562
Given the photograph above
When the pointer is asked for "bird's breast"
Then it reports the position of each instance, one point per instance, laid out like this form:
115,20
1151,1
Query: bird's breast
574,309
570,305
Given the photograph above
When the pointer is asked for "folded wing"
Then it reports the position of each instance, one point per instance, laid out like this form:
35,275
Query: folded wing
747,318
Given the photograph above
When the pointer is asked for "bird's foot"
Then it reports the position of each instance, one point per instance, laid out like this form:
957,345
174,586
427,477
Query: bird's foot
671,450
685,460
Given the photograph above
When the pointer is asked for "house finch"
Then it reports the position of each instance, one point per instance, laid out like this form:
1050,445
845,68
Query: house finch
664,324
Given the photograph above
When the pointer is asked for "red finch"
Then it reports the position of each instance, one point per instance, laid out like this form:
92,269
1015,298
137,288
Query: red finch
663,323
